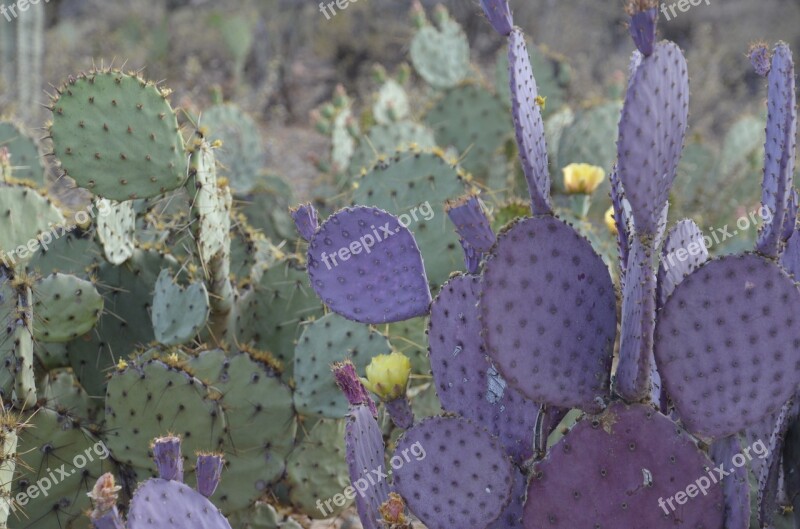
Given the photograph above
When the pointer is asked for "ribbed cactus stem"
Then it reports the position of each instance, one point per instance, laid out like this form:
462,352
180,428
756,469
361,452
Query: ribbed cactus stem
8,463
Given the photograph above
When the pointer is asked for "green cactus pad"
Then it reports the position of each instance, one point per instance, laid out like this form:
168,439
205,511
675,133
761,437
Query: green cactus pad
317,469
71,253
51,355
65,307
26,214
125,323
441,54
331,339
384,140
267,209
260,425
391,103
50,441
153,400
475,122
270,316
410,180
241,154
26,159
178,313
117,136
63,393
116,226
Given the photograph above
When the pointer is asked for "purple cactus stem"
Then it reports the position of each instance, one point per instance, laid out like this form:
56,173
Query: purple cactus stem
635,372
209,473
643,25
734,308
167,453
621,220
760,58
616,470
472,257
306,220
367,267
365,456
471,222
528,123
346,377
651,133
401,413
769,477
779,149
735,487
499,15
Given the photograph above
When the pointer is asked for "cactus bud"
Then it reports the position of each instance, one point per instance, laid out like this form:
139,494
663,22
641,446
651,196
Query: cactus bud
209,473
418,19
387,376
167,453
760,58
354,391
393,511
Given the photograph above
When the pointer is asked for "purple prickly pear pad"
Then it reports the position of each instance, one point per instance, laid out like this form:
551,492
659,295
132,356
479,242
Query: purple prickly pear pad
499,15
162,503
736,487
528,123
365,458
305,218
548,310
466,382
623,469
651,133
724,344
367,267
643,28
465,482
471,222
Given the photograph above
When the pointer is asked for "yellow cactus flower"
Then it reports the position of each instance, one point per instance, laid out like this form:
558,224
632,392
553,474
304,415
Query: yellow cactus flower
610,220
582,178
387,376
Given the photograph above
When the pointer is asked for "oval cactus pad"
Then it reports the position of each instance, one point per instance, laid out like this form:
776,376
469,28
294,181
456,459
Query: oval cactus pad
367,267
616,470
548,309
466,382
173,505
724,343
465,483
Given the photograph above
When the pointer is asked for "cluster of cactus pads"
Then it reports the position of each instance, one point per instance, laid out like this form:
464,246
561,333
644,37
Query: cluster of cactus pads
706,347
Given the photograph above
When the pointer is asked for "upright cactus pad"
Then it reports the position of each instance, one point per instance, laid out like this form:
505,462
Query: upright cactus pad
735,488
472,223
499,15
117,136
365,458
548,308
779,149
526,110
241,154
65,307
651,133
466,381
116,227
366,266
441,54
723,342
616,469
178,313
479,477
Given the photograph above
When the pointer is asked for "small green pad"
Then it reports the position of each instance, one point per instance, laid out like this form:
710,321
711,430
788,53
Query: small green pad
26,161
178,313
24,214
116,225
64,308
441,55
210,205
117,136
331,339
